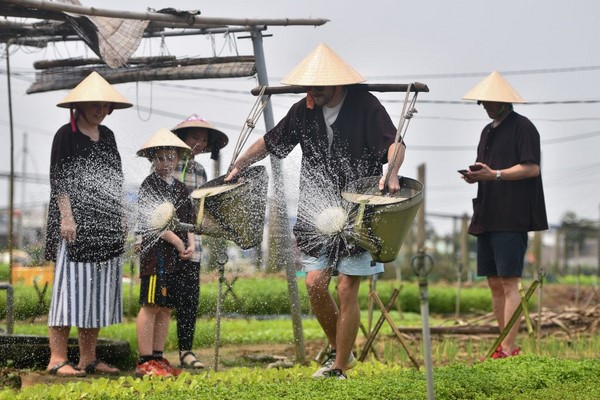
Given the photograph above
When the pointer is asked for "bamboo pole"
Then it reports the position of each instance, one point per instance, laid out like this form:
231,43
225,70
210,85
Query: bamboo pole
373,333
190,20
512,319
371,87
159,61
209,71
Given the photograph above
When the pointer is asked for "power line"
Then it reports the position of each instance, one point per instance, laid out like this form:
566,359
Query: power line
470,103
539,71
473,147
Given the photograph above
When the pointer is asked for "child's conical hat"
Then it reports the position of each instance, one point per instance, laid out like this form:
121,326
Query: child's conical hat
164,138
94,88
219,139
494,88
322,67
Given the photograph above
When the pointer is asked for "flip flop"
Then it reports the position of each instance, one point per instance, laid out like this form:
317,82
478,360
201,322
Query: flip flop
92,368
55,370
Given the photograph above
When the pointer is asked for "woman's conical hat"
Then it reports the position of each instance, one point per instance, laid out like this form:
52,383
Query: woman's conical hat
94,88
322,67
494,88
218,138
164,138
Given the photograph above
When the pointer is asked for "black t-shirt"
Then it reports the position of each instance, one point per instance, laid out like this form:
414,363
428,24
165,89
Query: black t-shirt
509,206
362,134
90,173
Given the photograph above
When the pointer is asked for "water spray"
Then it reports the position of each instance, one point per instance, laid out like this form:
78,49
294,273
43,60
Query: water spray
331,221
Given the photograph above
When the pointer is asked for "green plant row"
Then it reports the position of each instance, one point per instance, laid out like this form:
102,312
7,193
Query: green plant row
269,296
524,377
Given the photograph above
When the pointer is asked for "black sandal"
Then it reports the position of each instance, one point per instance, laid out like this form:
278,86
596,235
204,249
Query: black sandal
56,368
194,364
92,368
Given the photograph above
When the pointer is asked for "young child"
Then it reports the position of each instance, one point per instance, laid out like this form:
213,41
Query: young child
163,255
202,137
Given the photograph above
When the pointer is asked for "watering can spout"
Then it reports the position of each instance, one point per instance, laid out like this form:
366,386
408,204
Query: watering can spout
164,218
371,244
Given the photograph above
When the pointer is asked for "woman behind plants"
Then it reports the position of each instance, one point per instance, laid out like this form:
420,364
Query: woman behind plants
86,228
202,137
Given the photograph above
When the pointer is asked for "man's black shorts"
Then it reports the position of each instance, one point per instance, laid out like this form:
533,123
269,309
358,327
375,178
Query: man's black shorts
501,254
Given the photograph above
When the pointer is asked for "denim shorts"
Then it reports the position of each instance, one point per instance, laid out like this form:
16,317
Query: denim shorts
501,254
358,265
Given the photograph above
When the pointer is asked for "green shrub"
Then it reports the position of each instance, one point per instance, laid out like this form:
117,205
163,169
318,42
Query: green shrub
4,272
524,378
269,296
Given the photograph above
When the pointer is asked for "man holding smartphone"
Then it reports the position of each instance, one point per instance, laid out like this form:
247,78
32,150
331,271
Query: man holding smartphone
510,198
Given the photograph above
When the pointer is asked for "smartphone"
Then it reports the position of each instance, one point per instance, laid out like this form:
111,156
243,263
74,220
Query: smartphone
463,171
475,167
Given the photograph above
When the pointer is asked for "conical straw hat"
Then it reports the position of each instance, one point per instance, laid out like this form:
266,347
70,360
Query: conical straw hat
494,88
94,88
164,138
218,138
322,67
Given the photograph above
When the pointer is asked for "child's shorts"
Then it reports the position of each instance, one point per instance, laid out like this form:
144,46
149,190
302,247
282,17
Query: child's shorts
157,290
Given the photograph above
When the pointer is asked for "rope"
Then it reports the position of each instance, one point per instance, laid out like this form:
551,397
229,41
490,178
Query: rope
137,102
408,111
250,124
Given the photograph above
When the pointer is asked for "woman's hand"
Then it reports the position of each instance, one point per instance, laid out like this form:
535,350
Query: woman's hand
68,229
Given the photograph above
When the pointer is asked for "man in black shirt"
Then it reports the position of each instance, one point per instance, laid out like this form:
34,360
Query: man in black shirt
510,198
345,134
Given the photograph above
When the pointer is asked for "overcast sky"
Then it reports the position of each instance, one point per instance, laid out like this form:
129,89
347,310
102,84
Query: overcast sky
547,50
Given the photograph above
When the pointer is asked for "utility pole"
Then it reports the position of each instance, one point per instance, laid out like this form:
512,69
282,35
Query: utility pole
280,240
20,233
11,185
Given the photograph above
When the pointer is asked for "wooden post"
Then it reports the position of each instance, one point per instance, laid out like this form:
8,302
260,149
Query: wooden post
464,246
537,254
421,212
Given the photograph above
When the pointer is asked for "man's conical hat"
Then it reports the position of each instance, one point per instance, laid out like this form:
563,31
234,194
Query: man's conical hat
218,138
94,88
322,67
164,138
494,88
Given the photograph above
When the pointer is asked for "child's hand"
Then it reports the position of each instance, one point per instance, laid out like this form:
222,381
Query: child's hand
186,254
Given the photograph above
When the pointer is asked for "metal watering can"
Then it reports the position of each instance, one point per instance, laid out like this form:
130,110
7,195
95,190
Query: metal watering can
228,210
382,221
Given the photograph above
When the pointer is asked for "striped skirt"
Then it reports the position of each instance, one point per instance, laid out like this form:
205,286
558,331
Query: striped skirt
86,294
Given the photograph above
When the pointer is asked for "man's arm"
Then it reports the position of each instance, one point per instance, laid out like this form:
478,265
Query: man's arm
255,153
514,173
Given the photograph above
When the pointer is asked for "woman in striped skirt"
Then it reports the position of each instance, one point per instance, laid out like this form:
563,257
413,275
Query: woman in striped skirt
86,227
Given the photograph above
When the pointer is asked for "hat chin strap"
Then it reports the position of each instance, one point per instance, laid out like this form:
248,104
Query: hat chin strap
72,118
